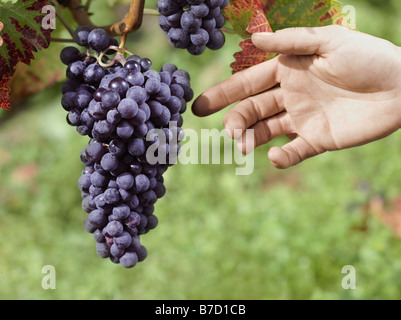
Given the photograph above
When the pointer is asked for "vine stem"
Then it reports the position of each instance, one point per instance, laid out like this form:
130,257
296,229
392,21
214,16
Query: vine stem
87,5
130,22
61,19
65,24
123,40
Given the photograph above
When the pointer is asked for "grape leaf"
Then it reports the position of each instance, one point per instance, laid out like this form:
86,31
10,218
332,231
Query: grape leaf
251,55
246,18
302,13
44,71
240,13
22,35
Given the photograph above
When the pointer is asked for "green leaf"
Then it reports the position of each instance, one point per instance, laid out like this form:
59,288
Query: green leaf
22,35
302,13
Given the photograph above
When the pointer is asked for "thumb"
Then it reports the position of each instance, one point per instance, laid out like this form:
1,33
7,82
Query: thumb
291,154
299,41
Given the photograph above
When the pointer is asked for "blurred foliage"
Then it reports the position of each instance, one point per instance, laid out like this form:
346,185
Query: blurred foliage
270,235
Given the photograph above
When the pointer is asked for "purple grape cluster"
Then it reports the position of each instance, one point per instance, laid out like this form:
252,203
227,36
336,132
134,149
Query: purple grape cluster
193,24
132,115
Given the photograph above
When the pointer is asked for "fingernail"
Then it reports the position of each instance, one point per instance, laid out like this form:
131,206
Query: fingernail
228,131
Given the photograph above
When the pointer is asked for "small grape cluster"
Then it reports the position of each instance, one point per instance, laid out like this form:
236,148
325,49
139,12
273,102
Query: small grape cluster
193,24
132,115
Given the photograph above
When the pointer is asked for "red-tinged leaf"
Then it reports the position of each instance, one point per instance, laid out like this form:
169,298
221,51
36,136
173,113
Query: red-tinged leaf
4,92
43,72
259,24
22,35
241,13
302,13
250,55
279,14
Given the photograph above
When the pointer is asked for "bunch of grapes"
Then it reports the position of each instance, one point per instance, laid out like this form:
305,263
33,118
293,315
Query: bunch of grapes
193,24
132,115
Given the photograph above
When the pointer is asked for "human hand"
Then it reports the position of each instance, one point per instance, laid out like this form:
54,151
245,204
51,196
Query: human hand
338,89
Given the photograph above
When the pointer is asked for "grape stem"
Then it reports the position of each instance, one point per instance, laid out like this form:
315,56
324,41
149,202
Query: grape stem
87,5
119,56
150,12
228,30
60,18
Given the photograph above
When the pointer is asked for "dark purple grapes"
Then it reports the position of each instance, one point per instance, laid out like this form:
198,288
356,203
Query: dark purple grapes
125,110
193,24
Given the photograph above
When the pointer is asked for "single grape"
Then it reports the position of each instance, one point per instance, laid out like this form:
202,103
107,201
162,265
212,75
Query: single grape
125,129
216,40
119,85
81,35
174,19
135,78
167,7
200,38
129,260
178,38
132,65
121,212
102,250
124,241
189,22
128,108
110,99
114,229
117,147
113,117
152,86
98,39
125,181
138,94
146,64
201,10
93,74
69,55
82,99
111,196
109,162
75,70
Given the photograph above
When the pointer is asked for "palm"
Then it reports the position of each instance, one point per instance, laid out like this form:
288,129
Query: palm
337,89
336,109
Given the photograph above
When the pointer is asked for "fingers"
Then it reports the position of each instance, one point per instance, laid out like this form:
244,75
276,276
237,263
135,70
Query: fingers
265,131
298,41
291,154
251,110
241,85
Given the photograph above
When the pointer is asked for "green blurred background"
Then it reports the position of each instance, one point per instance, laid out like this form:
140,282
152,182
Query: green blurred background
270,235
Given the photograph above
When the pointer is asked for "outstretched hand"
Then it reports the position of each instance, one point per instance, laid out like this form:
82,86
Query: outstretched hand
338,88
